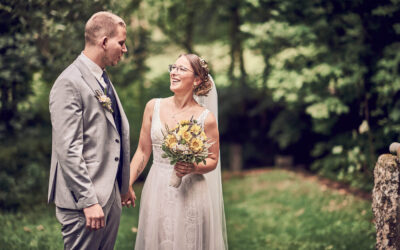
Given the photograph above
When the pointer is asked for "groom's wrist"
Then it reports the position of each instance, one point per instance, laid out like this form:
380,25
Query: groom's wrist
90,206
85,202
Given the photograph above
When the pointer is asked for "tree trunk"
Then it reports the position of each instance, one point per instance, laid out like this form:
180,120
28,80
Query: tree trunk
7,107
189,26
236,51
385,202
235,23
235,152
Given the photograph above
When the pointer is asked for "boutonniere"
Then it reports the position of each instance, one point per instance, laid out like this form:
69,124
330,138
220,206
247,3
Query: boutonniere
104,100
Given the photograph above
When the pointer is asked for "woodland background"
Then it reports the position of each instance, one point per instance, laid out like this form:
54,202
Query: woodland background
314,80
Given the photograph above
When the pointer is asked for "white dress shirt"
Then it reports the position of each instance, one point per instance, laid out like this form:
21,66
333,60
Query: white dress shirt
94,69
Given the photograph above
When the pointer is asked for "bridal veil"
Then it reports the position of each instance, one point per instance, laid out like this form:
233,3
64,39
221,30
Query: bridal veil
218,224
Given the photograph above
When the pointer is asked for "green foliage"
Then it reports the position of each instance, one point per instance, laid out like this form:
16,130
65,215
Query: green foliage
343,160
296,78
287,128
328,60
177,19
38,40
36,229
273,210
25,155
282,210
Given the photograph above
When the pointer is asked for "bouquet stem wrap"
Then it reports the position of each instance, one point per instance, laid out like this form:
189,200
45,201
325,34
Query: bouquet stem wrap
175,181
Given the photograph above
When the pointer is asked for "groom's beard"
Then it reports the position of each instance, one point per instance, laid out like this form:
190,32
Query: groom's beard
112,60
115,61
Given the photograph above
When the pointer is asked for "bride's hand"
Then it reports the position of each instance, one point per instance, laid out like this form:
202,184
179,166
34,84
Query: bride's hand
183,168
129,198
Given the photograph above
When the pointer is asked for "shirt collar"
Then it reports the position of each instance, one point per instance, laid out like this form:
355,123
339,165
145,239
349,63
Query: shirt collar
93,67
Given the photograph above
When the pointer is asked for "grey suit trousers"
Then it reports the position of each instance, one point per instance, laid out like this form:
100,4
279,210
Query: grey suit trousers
77,236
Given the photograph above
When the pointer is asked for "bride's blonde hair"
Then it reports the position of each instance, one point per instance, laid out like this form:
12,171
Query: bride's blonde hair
200,68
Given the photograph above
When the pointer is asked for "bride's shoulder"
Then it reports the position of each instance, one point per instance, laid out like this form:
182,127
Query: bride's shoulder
150,106
151,103
210,119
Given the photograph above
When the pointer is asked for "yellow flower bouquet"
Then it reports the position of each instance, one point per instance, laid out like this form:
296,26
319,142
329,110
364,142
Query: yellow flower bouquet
188,143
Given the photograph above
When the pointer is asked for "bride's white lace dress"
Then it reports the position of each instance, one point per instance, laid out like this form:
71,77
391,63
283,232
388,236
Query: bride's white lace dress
173,218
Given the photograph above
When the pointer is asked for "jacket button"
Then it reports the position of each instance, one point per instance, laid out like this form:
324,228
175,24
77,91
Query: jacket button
116,140
116,158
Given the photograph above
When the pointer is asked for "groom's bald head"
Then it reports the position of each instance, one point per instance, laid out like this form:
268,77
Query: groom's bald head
102,24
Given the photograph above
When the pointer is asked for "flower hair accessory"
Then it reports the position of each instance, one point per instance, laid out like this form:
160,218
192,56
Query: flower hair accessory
204,65
205,86
104,100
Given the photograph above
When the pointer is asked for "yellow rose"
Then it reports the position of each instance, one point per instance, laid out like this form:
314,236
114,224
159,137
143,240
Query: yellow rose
186,136
195,129
171,141
182,130
196,145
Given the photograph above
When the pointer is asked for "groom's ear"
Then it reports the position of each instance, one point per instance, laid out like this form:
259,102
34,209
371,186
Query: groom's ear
104,41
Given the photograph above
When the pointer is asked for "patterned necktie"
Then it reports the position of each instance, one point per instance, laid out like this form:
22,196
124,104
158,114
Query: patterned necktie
109,93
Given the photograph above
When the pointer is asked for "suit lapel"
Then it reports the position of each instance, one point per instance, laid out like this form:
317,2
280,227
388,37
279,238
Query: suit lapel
93,84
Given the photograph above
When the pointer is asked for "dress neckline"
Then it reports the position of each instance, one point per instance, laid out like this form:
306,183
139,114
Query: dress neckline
159,116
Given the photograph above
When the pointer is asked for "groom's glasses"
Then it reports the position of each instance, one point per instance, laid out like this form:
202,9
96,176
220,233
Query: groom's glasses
178,69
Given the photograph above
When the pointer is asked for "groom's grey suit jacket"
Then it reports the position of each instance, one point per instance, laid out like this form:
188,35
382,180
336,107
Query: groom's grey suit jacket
85,142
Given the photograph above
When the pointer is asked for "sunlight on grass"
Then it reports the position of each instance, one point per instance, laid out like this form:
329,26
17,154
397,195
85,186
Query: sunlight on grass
276,209
282,210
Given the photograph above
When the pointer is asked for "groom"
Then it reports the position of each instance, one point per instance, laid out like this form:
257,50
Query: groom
90,140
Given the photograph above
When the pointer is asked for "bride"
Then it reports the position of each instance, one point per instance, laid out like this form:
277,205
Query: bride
192,215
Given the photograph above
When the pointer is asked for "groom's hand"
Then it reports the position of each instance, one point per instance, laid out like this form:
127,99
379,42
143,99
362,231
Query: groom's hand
129,198
94,217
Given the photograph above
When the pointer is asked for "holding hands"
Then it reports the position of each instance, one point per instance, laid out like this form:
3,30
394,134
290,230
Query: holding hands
129,198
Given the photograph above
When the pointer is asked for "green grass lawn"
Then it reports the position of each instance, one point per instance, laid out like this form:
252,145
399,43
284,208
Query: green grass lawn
276,209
